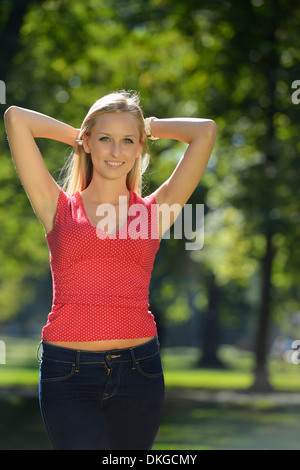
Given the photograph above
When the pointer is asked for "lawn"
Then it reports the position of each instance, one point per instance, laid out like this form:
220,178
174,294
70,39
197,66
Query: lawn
21,368
205,409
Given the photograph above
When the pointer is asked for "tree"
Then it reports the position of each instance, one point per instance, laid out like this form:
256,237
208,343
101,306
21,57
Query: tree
257,62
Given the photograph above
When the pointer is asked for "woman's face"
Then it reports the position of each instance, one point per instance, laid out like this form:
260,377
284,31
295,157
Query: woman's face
114,144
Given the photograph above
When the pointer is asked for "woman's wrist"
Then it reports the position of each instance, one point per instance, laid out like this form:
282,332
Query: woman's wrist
182,129
148,128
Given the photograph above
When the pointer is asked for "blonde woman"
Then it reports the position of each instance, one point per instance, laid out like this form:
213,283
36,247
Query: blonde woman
101,380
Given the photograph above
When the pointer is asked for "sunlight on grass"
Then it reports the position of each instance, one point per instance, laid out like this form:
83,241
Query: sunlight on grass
181,371
22,368
13,377
207,379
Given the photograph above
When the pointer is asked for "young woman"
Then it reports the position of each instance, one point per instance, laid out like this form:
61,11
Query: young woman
101,380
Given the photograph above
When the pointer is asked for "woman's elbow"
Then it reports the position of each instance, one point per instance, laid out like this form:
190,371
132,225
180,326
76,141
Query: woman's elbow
207,129
212,128
10,113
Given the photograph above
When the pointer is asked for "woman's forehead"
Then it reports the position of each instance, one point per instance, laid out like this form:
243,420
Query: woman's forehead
124,122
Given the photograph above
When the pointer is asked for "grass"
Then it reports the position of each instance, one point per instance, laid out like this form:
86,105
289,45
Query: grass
188,423
21,426
21,365
21,368
230,428
180,371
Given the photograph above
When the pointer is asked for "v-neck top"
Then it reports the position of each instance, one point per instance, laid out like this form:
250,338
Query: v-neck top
99,230
100,281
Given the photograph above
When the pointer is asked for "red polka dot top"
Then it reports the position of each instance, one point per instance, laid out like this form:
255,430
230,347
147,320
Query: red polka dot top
100,281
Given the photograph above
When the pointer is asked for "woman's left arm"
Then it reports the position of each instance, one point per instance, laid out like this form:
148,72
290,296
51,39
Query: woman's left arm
200,135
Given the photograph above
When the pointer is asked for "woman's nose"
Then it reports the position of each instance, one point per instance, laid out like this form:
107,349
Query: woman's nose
115,149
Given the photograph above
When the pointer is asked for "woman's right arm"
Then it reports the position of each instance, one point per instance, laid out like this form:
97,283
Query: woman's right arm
22,127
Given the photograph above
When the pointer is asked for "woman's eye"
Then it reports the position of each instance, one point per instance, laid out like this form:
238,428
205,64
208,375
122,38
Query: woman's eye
128,141
104,139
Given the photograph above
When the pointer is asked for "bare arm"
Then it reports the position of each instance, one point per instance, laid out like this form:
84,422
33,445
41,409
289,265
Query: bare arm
22,127
200,134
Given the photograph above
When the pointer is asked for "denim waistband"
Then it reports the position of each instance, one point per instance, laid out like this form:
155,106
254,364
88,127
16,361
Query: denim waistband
57,353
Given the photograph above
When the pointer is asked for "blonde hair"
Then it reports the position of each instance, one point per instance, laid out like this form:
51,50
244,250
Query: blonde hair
78,169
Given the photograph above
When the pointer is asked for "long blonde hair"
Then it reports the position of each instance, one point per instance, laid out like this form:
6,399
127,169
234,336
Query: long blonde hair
78,170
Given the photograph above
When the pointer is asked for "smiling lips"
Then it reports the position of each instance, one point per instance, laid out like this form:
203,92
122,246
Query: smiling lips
114,164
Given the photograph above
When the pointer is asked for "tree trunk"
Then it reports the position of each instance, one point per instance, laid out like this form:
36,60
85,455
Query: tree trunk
270,67
211,338
261,375
9,35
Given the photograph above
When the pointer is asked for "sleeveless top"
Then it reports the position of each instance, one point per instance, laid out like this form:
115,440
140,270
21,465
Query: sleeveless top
101,282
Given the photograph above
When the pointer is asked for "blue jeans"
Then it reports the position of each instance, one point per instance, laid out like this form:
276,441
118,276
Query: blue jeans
107,400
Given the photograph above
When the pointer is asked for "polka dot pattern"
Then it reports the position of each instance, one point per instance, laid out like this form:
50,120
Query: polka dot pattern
101,282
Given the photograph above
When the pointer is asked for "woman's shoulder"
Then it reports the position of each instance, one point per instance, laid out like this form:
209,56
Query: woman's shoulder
147,200
64,197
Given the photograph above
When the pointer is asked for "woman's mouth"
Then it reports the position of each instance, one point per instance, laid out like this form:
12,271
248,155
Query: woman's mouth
114,164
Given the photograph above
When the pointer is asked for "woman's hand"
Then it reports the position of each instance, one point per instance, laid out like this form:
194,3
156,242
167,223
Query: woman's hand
200,135
22,127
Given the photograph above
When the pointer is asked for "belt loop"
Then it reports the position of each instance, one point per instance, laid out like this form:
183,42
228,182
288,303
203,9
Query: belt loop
77,361
133,359
37,352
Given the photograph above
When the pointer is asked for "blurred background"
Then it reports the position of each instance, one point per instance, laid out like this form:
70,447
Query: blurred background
228,314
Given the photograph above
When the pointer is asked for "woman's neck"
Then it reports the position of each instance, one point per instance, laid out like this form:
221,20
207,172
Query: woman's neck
106,193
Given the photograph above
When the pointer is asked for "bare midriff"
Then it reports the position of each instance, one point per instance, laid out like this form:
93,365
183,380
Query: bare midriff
104,345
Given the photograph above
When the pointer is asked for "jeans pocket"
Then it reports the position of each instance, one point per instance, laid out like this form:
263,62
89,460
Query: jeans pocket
53,371
150,366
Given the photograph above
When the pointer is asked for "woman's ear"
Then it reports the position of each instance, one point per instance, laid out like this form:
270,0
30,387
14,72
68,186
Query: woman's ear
85,143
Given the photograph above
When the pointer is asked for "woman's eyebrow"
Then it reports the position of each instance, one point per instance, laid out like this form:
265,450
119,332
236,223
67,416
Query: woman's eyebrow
105,133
